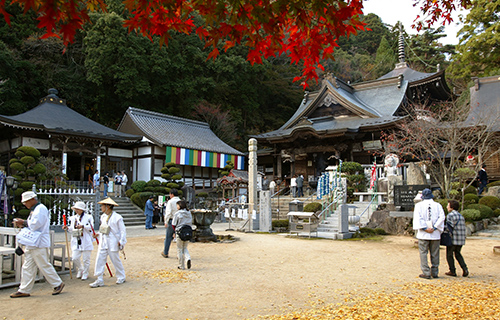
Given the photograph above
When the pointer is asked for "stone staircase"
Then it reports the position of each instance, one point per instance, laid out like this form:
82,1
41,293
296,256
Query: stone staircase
132,215
282,203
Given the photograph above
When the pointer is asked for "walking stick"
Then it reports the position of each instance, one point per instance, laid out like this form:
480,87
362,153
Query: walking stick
67,246
97,240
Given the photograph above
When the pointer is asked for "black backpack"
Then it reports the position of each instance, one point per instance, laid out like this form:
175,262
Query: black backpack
185,232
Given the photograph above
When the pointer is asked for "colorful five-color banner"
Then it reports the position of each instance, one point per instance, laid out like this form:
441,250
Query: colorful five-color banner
200,158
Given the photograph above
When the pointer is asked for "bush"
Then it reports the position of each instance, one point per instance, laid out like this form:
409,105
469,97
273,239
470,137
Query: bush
164,170
490,201
181,184
485,211
173,170
129,192
313,207
470,190
496,213
166,176
140,198
39,168
138,186
471,214
149,189
380,231
493,184
169,164
17,166
27,160
352,168
280,224
26,185
160,189
443,203
202,195
176,177
173,185
23,213
470,199
29,151
153,183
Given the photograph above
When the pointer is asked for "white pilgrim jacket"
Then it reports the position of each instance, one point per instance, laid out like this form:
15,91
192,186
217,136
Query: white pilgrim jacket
117,236
87,221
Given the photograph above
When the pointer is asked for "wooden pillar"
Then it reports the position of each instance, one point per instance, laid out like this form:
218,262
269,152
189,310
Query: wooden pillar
152,162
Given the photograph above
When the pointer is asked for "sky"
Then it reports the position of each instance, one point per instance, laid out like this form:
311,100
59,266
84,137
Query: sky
392,11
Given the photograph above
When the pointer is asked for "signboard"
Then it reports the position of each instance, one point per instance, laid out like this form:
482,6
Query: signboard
404,195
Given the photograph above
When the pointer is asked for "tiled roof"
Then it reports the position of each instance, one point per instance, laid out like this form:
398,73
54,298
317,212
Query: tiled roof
375,103
408,73
485,102
174,131
54,116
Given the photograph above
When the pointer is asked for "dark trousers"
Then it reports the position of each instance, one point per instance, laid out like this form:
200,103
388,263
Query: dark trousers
458,255
168,237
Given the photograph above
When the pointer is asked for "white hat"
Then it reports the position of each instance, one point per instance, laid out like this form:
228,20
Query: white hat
28,195
79,205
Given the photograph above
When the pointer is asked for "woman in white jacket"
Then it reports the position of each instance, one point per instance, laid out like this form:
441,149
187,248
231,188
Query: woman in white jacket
80,229
112,239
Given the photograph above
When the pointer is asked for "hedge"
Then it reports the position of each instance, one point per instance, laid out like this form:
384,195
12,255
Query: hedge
129,192
486,212
490,201
470,199
471,214
313,207
140,198
138,185
280,224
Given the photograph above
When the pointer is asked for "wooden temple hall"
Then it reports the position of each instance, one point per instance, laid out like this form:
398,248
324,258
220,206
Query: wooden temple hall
144,142
343,121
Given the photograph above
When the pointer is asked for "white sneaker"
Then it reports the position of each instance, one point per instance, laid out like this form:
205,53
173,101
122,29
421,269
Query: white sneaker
84,277
78,274
96,284
120,281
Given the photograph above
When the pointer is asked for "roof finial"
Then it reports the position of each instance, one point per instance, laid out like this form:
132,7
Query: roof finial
401,53
53,92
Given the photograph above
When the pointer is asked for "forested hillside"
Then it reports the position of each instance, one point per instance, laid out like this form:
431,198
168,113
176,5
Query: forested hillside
107,69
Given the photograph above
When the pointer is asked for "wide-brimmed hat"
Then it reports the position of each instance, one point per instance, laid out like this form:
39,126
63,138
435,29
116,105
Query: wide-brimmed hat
427,194
108,201
28,195
79,205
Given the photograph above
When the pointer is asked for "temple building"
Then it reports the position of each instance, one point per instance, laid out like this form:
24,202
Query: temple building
344,121
144,142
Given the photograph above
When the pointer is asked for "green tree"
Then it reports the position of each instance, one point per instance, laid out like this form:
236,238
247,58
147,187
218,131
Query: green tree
478,52
425,52
385,59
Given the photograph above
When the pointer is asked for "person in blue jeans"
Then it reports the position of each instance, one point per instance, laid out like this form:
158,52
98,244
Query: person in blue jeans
149,211
170,210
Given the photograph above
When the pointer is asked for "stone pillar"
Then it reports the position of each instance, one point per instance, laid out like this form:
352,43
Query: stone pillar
265,214
344,222
252,180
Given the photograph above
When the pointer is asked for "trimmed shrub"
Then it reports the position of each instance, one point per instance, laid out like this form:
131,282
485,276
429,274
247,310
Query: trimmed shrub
169,164
30,151
471,214
380,231
202,195
26,185
493,184
153,183
11,161
20,191
470,190
490,201
30,173
138,186
27,160
140,198
173,185
39,168
164,170
17,166
19,154
129,192
443,203
280,224
176,177
160,189
496,213
350,167
313,207
166,176
485,211
23,213
149,189
470,199
181,184
173,170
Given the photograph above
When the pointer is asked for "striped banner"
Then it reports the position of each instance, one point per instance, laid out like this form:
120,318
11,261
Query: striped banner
200,158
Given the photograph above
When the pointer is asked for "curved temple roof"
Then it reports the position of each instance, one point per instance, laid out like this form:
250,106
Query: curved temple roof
54,116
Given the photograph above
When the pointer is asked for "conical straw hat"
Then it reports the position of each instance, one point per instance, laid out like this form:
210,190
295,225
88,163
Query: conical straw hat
108,201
